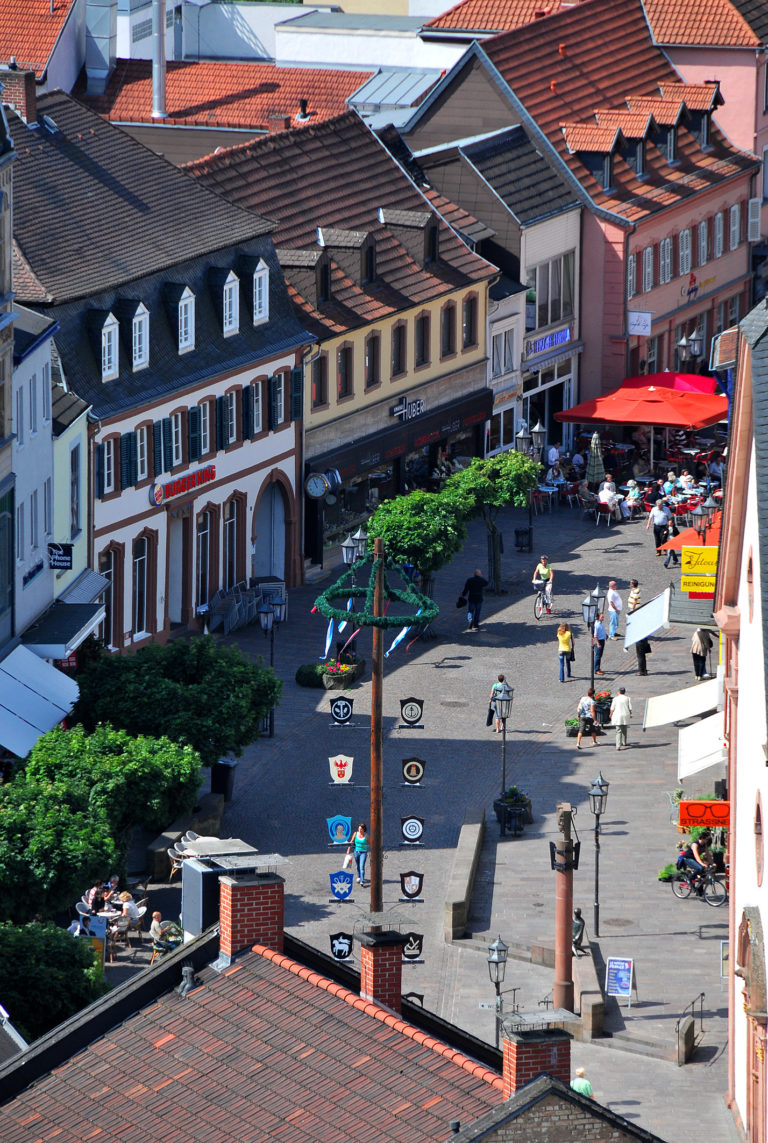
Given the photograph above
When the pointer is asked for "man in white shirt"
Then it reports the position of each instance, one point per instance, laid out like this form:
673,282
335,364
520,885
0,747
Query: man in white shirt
621,710
613,601
553,456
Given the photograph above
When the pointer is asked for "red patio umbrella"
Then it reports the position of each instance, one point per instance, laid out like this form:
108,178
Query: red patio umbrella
683,382
650,405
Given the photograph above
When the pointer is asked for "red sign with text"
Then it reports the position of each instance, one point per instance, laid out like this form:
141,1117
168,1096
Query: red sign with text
713,815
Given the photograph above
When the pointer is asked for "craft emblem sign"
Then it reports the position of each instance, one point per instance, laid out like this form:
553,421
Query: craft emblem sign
341,884
341,769
341,709
413,770
341,945
411,883
339,829
411,710
414,944
412,830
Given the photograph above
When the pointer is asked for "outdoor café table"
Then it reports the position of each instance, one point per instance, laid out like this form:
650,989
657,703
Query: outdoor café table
551,491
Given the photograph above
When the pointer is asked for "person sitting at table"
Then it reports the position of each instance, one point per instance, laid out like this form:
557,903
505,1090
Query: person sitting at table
157,932
585,493
130,908
608,483
95,897
554,474
670,484
110,888
716,467
656,491
633,493
579,464
613,499
686,480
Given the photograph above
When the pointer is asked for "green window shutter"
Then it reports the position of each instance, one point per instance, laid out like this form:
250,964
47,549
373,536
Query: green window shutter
167,445
247,409
193,429
297,394
157,448
272,409
220,424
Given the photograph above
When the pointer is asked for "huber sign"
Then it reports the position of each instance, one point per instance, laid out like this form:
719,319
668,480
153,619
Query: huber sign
159,492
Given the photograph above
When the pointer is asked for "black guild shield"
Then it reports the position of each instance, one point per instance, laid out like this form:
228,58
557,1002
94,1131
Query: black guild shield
411,710
412,829
411,883
413,770
413,946
341,709
341,945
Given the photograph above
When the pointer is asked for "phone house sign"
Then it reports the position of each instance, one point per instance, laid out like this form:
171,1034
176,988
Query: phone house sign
160,492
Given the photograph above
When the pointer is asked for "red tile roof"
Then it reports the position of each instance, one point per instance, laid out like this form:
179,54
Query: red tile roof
699,23
265,1050
632,124
493,15
599,54
666,112
589,137
697,96
339,175
235,95
28,31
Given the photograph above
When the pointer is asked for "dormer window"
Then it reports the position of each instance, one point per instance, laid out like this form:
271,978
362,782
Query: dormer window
186,321
705,130
323,282
639,158
260,293
230,305
607,174
432,244
369,263
140,338
109,350
671,144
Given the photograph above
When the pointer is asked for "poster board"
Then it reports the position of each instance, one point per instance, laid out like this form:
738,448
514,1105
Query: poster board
620,978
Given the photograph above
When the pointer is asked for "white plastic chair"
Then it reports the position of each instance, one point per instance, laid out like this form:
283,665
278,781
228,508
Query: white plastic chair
83,910
175,861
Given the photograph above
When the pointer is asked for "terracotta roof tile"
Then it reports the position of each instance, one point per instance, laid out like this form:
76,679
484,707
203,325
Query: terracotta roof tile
29,29
699,23
632,124
666,112
235,95
589,137
697,96
493,15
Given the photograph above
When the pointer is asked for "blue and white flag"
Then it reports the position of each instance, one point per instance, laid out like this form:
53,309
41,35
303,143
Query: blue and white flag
344,623
328,638
399,638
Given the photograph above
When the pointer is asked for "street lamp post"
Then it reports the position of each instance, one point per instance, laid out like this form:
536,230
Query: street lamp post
523,445
497,967
503,705
592,606
271,615
598,798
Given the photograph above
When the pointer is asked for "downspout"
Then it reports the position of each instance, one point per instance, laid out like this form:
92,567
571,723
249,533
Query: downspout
158,60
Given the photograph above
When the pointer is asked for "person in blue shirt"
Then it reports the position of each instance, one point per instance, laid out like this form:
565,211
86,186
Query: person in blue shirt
671,484
598,641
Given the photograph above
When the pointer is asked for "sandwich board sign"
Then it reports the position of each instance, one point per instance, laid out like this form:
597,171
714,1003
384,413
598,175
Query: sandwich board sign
620,978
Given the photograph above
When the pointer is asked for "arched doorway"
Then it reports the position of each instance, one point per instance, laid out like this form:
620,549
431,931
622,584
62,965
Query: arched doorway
268,534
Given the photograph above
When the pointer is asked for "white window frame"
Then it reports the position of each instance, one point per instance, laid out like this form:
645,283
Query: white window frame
256,410
652,354
279,399
719,233
665,261
46,382
33,404
671,144
177,445
140,338
684,251
703,242
647,269
734,226
186,321
261,293
230,419
631,275
110,350
230,305
19,417
48,506
140,567
142,455
20,533
108,466
205,427
34,522
502,352
754,208
734,305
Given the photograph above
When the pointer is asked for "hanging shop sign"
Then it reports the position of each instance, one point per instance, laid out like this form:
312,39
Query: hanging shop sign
160,491
699,561
713,815
705,584
60,556
407,409
535,346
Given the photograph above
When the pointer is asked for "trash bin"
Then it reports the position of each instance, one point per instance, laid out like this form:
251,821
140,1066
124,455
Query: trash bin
223,777
524,539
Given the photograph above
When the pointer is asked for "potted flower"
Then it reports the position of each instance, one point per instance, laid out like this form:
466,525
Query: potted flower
516,798
338,676
602,707
571,727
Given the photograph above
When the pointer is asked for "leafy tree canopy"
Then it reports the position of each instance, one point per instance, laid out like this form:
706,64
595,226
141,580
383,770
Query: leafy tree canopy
487,486
423,528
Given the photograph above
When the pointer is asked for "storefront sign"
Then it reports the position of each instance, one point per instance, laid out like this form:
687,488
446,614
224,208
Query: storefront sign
702,583
699,561
639,323
60,556
535,346
409,410
160,492
714,815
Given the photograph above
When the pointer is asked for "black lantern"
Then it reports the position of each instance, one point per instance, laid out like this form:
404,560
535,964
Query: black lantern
539,434
497,967
598,795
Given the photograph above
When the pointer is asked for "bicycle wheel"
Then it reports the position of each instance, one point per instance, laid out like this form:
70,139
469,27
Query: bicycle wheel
714,893
538,605
681,886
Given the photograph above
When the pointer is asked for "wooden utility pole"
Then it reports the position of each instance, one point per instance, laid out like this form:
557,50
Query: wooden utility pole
377,686
562,991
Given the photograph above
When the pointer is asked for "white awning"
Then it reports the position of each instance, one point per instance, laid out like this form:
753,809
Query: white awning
63,628
34,697
679,705
647,619
88,586
701,745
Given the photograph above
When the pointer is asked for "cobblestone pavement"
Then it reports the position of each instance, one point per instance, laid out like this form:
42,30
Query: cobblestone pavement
283,798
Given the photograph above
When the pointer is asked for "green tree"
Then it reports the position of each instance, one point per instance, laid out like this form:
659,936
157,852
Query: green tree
423,528
484,487
46,975
195,692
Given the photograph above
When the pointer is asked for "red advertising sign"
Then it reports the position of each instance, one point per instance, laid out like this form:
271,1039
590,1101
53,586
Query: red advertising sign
159,492
713,815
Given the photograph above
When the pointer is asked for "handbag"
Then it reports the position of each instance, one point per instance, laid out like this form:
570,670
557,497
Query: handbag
489,716
461,601
347,862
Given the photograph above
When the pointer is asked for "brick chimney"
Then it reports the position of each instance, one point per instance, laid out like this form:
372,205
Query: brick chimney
278,121
527,1054
381,967
251,912
19,91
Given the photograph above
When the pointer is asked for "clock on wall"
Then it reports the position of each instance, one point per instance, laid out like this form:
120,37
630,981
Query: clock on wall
316,485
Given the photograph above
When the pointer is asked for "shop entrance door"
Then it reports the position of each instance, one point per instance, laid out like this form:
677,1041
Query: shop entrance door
175,568
269,535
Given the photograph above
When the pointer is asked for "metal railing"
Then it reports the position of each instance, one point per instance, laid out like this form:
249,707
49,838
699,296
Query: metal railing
690,1010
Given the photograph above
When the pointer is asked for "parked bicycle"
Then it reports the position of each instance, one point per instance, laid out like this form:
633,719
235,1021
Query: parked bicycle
543,600
711,883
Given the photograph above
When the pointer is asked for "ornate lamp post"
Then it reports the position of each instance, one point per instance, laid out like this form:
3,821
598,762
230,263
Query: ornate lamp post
592,606
598,799
503,705
523,445
271,614
497,967
539,434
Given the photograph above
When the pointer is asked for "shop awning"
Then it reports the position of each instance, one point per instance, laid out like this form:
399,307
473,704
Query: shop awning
700,746
34,697
87,588
63,628
675,706
647,619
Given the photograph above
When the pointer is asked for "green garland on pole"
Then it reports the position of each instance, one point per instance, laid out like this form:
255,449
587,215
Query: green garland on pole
344,588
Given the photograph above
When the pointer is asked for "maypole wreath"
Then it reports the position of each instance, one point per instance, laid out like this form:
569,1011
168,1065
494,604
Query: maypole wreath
426,610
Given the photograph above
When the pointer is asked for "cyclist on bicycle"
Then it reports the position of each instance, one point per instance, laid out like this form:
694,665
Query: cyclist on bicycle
698,856
543,579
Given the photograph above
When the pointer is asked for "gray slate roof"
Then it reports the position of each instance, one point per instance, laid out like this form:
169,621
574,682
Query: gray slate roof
94,209
529,186
755,12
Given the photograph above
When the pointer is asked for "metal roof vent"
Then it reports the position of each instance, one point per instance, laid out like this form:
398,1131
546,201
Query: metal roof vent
302,114
187,980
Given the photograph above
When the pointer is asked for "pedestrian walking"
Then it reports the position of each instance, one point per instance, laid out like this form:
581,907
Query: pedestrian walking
633,599
496,690
621,712
586,712
473,593
565,650
642,648
701,645
613,599
360,845
581,1084
598,643
672,555
658,517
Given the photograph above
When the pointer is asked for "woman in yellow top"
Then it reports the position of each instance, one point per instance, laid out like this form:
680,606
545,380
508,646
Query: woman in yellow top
544,575
565,647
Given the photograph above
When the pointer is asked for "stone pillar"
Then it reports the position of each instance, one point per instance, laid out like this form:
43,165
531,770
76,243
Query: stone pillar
381,960
528,1054
251,912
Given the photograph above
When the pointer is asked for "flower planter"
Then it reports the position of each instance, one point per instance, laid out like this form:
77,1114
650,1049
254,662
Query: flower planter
571,731
346,679
522,808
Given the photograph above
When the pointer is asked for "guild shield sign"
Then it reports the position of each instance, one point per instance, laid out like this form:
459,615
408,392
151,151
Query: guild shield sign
411,710
412,829
341,945
413,770
341,884
413,946
339,829
341,769
411,883
341,709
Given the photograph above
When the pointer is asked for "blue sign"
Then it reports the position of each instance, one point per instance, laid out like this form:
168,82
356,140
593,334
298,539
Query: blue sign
538,345
618,977
341,884
339,830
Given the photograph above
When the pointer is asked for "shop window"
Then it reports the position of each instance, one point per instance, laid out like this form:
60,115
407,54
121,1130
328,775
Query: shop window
230,545
719,229
344,372
320,381
652,355
448,330
372,361
550,291
398,350
469,322
140,577
421,335
203,558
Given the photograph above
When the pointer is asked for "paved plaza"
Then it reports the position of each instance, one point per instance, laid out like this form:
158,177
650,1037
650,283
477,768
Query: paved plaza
283,798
